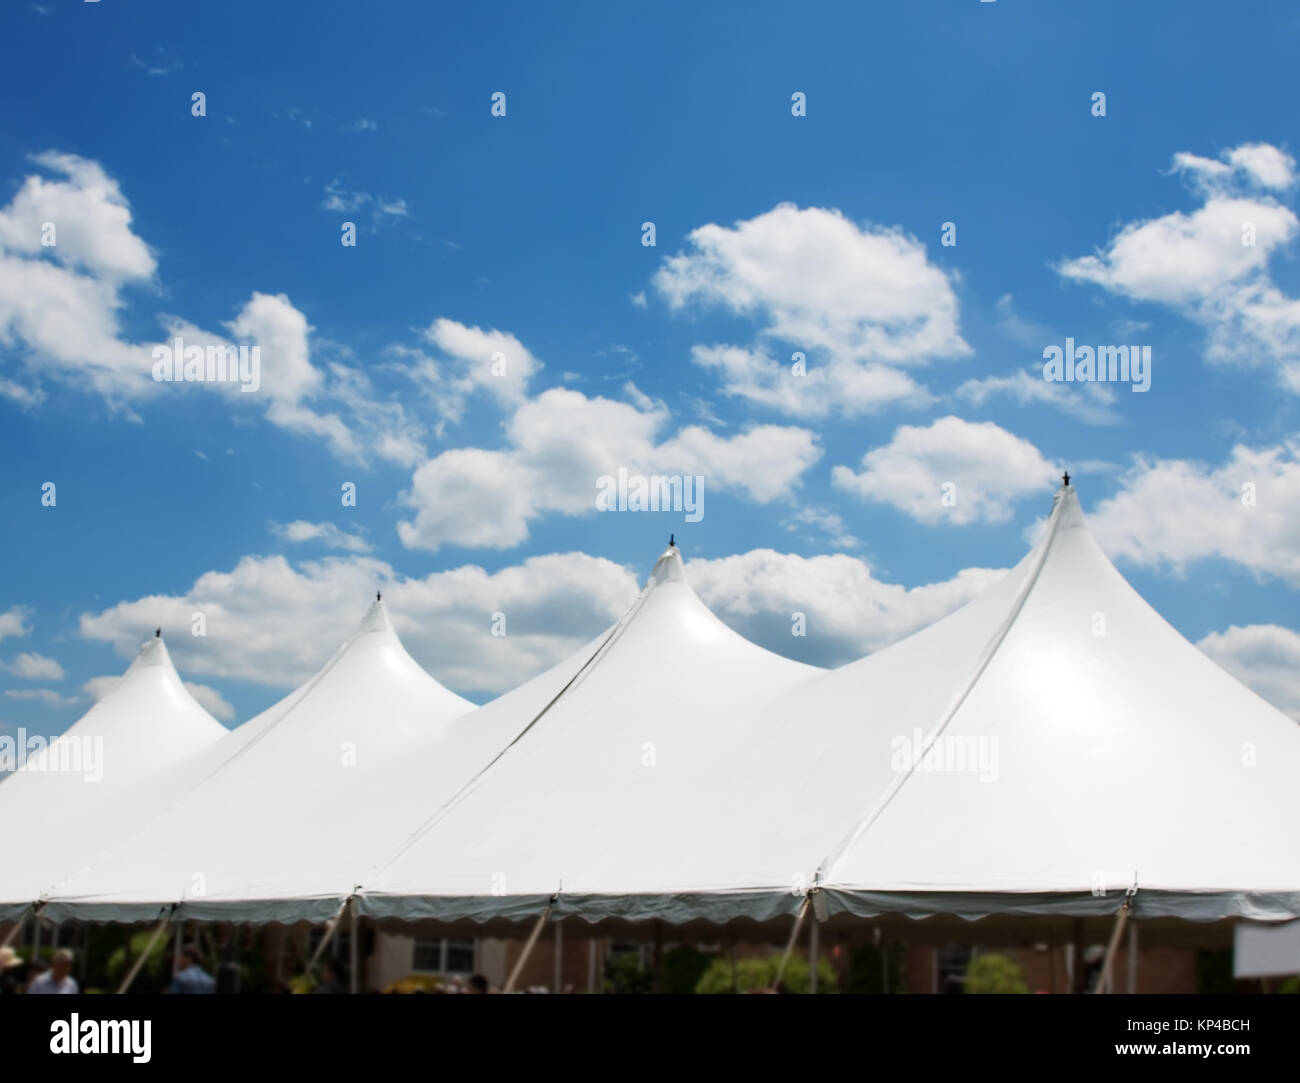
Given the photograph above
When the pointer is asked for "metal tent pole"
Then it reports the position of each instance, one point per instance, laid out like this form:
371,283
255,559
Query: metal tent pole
528,947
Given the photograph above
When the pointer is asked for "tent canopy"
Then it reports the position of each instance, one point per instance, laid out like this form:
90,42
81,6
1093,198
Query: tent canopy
288,785
137,747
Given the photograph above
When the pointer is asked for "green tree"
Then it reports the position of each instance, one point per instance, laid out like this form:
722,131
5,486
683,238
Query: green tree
994,974
154,976
683,967
866,974
759,973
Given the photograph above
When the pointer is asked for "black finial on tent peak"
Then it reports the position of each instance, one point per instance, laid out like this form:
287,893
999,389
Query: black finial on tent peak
157,633
1066,478
672,540
379,597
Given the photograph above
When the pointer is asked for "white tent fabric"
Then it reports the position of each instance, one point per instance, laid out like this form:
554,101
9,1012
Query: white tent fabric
274,813
673,770
1115,753
1126,758
138,746
667,671
588,800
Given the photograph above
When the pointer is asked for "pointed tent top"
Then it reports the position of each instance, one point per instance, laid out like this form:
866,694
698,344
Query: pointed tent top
153,652
668,568
379,596
1065,480
157,633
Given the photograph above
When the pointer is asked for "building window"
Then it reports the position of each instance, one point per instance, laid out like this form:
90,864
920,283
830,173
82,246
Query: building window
446,956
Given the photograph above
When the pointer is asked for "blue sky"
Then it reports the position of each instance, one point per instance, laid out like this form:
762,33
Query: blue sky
522,234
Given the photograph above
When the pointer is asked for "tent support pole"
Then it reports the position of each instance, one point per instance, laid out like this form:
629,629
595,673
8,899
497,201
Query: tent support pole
814,954
1104,978
354,949
331,927
558,979
529,945
1133,958
591,965
176,946
789,944
144,955
18,925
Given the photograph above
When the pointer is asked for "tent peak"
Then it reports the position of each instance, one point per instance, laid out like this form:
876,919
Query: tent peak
668,568
1065,480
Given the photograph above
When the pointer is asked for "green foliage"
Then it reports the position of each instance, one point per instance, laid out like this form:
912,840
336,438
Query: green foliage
994,974
154,976
759,973
683,966
865,972
623,974
1291,985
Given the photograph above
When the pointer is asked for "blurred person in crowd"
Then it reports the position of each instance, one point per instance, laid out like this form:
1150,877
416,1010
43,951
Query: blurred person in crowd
13,971
477,984
331,980
191,977
58,979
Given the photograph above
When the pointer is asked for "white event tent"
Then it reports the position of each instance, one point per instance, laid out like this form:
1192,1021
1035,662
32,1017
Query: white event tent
278,807
1102,752
138,747
1047,749
627,707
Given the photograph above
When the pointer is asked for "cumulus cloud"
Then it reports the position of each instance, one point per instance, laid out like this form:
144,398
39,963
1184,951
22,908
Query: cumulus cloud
1172,512
951,471
848,612
1212,264
211,701
1264,657
472,360
814,390
326,534
275,623
853,299
562,442
1090,402
34,667
13,622
61,306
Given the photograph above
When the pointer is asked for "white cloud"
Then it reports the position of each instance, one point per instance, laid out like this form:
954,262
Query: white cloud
34,667
378,208
817,280
1173,512
562,442
1090,402
98,687
816,391
13,622
1264,657
275,623
988,468
325,533
92,220
1212,265
848,612
474,359
211,701
828,522
46,696
852,299
60,309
